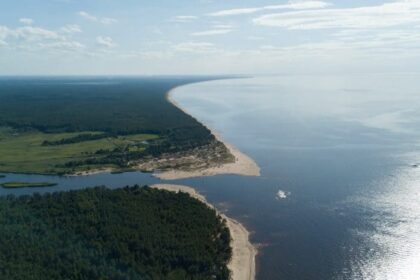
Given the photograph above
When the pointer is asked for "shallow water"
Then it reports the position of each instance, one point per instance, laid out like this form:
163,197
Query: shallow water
340,147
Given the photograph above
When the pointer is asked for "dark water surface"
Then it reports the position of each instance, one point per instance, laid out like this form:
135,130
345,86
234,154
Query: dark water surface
341,148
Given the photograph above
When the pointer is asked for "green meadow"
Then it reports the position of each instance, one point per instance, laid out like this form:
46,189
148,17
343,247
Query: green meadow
25,152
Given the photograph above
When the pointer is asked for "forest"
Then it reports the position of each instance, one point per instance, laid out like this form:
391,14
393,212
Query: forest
55,123
99,233
114,105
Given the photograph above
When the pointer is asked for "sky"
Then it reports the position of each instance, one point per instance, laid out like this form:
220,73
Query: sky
168,37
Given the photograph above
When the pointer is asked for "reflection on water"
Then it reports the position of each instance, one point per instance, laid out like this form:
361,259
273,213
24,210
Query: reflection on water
339,193
396,226
340,145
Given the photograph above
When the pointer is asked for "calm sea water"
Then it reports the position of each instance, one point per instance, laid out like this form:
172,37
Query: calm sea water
342,149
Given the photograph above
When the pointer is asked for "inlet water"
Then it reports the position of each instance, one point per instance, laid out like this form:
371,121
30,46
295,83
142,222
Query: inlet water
341,150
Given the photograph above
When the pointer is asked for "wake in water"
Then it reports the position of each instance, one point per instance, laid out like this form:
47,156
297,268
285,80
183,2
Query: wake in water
282,195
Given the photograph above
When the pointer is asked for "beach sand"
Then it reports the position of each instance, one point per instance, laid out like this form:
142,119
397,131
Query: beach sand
243,165
244,253
91,172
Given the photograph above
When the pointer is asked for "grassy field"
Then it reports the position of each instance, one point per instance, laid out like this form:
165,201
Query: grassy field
24,152
17,185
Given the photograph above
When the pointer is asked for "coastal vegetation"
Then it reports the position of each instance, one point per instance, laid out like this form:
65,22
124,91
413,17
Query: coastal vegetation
98,233
69,125
17,185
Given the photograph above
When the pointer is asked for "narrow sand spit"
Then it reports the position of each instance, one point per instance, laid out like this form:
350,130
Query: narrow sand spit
91,172
243,165
242,264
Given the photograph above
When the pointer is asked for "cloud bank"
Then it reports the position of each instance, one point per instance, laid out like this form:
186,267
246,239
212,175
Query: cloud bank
292,5
380,16
92,18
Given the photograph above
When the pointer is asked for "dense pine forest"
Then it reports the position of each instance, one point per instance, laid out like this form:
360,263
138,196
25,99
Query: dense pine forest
113,105
130,233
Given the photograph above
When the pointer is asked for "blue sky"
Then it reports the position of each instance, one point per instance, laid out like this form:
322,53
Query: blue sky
91,37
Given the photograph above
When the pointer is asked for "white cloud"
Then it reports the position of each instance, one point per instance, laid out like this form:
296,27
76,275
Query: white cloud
147,55
63,46
223,26
183,19
255,38
291,5
268,47
195,47
27,21
108,20
217,29
234,12
105,42
31,38
389,43
71,28
87,16
212,32
30,33
386,15
380,32
4,32
92,18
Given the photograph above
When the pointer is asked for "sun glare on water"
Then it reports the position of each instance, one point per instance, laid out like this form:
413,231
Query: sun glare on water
397,230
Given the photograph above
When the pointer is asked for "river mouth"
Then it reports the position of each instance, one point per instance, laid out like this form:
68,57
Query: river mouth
342,149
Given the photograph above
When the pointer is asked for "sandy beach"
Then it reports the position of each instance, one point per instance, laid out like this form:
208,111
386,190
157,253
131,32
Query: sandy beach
243,165
92,172
244,253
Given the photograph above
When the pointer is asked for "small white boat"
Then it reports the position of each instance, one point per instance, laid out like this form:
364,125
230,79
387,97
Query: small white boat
282,194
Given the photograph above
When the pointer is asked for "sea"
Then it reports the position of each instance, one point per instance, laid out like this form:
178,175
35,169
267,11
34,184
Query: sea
339,191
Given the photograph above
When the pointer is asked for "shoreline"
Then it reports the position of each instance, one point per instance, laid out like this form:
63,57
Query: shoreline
242,265
243,165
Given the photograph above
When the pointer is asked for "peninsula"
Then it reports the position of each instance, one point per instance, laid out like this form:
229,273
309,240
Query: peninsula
72,126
